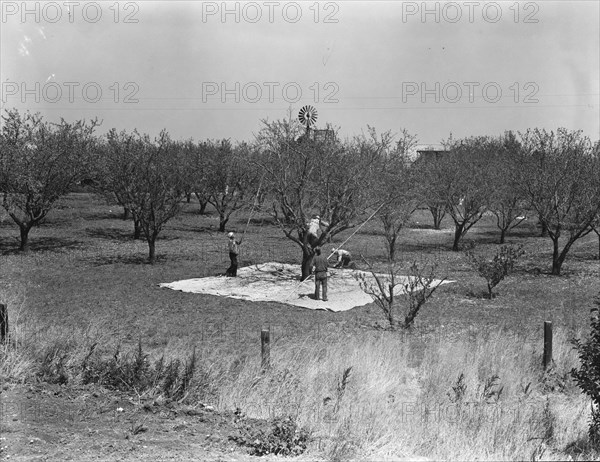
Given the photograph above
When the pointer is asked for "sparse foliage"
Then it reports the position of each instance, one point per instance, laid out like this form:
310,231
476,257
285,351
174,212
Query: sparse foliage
500,266
394,185
561,179
39,163
147,178
458,180
305,176
418,286
507,202
587,376
231,180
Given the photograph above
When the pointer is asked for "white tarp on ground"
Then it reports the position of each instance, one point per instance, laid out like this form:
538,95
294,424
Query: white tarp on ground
279,282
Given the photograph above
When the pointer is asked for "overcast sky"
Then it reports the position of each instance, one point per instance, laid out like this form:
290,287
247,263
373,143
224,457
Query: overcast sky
214,70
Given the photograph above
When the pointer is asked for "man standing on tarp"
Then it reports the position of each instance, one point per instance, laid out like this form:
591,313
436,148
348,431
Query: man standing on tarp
320,265
234,250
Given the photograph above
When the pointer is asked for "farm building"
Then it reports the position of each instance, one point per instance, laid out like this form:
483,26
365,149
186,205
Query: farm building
429,151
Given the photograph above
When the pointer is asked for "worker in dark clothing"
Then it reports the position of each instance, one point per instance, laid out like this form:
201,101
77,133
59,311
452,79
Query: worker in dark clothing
234,250
319,264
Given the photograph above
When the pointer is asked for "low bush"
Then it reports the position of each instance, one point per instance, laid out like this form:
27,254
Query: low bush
281,437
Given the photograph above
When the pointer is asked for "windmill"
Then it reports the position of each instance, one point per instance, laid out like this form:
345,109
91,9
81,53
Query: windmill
307,117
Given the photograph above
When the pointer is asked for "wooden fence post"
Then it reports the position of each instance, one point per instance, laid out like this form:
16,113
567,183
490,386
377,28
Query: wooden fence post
265,344
547,344
3,323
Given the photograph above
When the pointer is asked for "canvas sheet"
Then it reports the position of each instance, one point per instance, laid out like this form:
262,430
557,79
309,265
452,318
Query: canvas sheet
279,282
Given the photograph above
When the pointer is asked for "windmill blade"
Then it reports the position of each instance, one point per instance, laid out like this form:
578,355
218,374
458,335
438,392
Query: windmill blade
307,116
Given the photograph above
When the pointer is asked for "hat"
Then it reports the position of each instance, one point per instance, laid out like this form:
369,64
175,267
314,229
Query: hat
334,249
317,217
230,235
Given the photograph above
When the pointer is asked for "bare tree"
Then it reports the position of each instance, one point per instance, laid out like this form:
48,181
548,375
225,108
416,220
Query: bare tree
231,180
305,177
147,177
394,186
459,179
507,201
39,163
561,179
385,289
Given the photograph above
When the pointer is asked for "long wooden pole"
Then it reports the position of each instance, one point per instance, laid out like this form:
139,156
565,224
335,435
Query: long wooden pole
357,229
252,210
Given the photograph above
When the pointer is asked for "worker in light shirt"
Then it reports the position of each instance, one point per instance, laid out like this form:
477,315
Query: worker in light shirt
344,258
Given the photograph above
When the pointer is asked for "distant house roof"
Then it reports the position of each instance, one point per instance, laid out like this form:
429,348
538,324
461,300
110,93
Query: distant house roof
429,151
318,135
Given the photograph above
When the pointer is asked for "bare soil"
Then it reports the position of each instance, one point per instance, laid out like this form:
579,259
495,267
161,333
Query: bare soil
53,422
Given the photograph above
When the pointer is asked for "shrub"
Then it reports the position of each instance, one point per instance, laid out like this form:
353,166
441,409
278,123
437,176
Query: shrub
282,438
418,287
499,267
134,371
587,376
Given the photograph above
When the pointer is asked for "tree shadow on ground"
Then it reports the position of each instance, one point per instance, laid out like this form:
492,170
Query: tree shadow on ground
262,221
141,259
415,225
195,211
516,233
9,245
111,234
430,249
116,214
192,228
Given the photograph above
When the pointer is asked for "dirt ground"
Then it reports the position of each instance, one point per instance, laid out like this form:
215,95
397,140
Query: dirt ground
58,423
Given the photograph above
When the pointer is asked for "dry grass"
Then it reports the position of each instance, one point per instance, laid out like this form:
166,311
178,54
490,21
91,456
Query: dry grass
365,393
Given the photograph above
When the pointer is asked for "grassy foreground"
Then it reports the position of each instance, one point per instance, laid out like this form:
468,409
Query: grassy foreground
467,383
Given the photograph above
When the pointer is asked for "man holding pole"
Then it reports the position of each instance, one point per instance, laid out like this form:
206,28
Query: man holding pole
319,265
234,250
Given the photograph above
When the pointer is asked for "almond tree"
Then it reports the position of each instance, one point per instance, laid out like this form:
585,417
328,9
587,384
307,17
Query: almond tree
196,172
231,180
459,179
394,186
147,177
305,176
562,181
39,163
507,201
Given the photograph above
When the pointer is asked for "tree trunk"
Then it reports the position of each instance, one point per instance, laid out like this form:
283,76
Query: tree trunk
490,291
137,228
438,215
458,231
222,222
125,213
307,257
558,258
203,205
24,247
392,248
188,197
502,236
152,250
544,229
